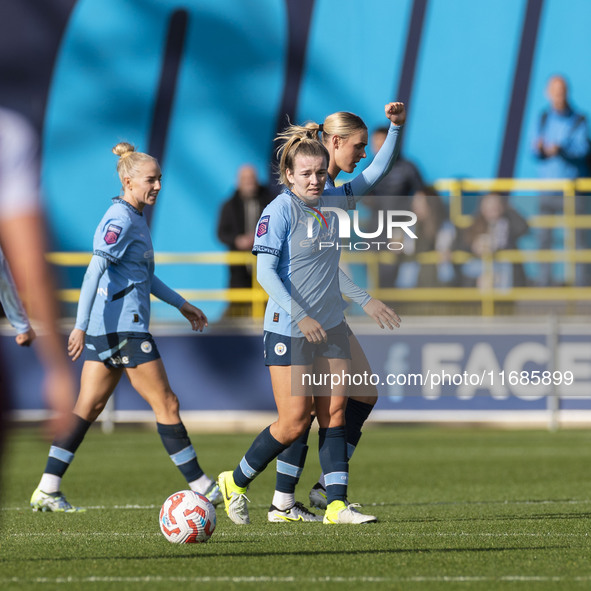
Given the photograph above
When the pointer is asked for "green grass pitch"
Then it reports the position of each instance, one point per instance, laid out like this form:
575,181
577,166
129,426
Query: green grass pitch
458,509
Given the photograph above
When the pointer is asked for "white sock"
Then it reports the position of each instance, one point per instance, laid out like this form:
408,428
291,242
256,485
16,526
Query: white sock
321,481
50,483
201,484
283,500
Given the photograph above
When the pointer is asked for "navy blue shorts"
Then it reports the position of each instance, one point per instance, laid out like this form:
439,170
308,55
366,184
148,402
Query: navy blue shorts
121,349
282,350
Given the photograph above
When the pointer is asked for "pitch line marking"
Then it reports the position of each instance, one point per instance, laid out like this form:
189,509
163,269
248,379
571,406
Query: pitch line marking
433,504
292,579
300,532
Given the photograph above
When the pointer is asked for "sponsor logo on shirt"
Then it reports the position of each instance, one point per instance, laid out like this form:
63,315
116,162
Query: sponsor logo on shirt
263,226
276,317
112,234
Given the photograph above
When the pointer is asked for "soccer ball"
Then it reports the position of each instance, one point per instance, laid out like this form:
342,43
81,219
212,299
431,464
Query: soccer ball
187,517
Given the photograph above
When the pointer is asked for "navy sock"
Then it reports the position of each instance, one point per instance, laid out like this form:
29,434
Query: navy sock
356,414
178,446
332,450
264,449
290,463
62,450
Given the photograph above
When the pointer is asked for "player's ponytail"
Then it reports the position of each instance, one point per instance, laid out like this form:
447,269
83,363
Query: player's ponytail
309,130
123,149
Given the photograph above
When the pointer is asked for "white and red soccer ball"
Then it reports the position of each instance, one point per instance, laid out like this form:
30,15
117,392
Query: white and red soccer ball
187,517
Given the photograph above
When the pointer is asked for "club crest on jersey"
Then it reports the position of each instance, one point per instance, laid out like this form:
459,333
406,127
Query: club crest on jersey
112,234
263,226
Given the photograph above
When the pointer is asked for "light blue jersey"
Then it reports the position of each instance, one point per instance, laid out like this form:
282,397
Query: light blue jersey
308,272
122,301
305,279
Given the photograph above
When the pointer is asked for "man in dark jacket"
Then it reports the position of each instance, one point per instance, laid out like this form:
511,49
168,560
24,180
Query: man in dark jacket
237,222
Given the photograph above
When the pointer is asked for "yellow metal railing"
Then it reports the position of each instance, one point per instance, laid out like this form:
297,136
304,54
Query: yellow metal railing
370,261
255,295
570,221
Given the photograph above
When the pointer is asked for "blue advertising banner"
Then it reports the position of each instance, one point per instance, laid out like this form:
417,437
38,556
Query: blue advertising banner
419,369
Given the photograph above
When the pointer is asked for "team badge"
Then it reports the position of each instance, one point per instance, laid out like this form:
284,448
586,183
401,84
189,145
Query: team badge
263,226
280,349
112,234
146,347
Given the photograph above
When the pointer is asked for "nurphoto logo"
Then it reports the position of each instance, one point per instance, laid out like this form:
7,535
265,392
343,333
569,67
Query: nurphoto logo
388,222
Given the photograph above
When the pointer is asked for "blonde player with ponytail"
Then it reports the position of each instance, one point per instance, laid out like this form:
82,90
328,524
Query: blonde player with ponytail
304,326
345,137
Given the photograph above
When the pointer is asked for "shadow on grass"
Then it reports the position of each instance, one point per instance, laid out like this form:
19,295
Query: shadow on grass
251,554
533,517
477,503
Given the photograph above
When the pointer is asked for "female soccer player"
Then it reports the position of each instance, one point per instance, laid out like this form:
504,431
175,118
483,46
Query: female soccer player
304,326
112,327
288,258
345,136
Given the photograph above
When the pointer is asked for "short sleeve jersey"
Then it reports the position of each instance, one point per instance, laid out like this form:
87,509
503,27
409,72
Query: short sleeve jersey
122,302
307,267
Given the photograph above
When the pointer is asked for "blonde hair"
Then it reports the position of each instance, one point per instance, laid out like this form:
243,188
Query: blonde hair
298,140
343,124
130,160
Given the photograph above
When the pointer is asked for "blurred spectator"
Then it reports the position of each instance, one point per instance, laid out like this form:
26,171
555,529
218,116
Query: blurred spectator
497,226
393,192
236,226
23,240
435,233
562,149
399,185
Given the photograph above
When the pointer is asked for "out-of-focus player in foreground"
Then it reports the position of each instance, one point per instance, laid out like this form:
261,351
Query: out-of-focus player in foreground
112,327
23,238
13,306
